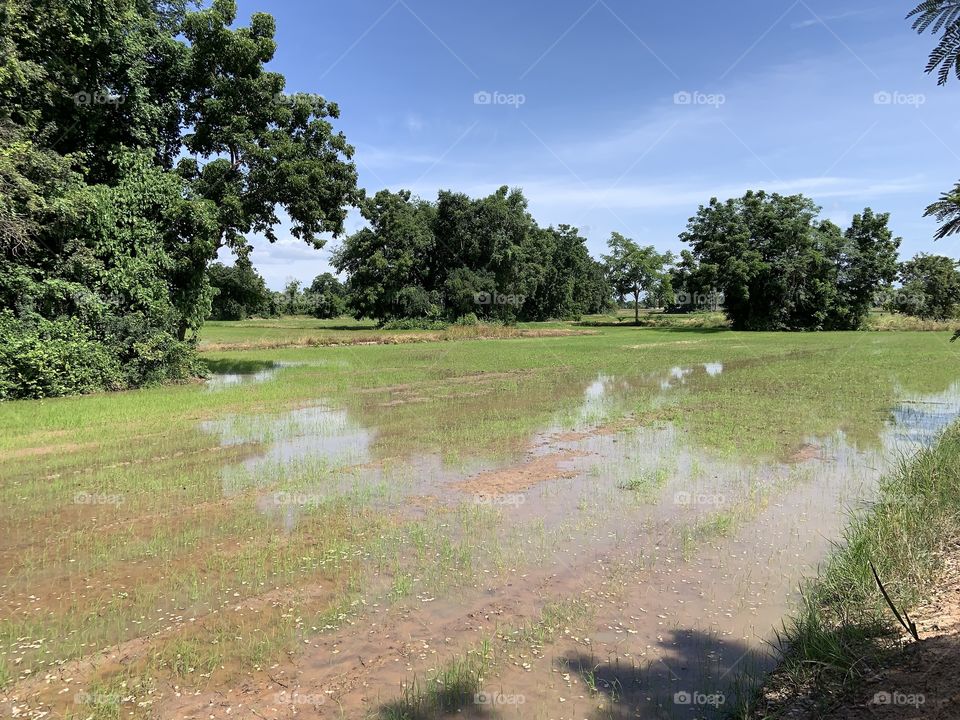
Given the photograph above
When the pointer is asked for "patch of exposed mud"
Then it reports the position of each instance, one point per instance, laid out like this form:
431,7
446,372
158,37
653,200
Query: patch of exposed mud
522,476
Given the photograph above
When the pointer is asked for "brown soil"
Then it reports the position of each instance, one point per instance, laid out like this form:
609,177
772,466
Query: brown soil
63,449
519,477
918,681
806,452
924,671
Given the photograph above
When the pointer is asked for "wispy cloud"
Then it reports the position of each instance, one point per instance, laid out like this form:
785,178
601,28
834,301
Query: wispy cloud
811,22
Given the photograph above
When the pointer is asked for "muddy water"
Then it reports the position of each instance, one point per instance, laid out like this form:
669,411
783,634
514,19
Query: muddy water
688,559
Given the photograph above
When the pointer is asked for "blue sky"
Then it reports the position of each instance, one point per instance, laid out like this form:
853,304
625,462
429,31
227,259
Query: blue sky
626,115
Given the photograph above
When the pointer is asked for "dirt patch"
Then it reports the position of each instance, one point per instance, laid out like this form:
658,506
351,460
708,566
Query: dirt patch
663,344
516,478
477,377
36,451
806,452
919,681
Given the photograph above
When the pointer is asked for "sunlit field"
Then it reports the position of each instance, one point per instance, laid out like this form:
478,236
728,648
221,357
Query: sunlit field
585,523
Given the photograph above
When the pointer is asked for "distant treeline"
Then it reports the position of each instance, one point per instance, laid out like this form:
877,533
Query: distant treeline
768,261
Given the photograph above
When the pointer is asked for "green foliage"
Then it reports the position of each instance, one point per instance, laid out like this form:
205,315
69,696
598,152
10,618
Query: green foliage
329,297
462,255
781,268
40,358
634,270
946,210
931,288
240,292
105,244
940,16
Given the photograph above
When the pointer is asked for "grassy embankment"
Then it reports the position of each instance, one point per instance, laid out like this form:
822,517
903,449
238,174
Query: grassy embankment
844,630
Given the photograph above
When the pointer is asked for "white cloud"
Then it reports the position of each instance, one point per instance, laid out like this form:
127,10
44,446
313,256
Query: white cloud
822,19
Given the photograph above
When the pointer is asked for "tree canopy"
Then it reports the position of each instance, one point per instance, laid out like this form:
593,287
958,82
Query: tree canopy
930,287
635,270
460,256
779,267
137,137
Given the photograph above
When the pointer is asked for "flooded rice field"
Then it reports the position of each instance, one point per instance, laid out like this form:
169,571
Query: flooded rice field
579,539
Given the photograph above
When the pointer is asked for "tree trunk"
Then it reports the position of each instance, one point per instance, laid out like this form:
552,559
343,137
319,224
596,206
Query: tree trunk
636,307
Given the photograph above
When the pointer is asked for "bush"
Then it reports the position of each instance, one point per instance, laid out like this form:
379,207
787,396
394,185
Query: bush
468,320
45,358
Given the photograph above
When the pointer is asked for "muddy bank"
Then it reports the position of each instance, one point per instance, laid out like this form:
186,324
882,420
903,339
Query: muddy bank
846,654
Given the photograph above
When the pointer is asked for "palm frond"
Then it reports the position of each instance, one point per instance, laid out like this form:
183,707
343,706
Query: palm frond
940,16
946,211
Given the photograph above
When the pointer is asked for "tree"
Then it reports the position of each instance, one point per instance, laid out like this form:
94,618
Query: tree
867,262
931,287
240,291
781,268
940,16
633,270
96,105
465,256
329,297
264,149
389,262
571,282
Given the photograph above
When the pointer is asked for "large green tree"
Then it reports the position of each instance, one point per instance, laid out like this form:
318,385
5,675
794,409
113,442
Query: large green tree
463,256
388,264
780,267
329,297
240,291
930,287
106,236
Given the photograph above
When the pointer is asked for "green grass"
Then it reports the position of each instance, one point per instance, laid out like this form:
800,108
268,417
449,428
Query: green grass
450,689
844,630
188,532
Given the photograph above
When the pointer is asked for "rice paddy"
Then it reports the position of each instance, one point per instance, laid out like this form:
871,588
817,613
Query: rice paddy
555,521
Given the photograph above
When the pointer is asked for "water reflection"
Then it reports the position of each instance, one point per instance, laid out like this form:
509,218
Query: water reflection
712,546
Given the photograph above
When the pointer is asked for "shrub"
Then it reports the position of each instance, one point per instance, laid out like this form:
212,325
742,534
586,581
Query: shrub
44,358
